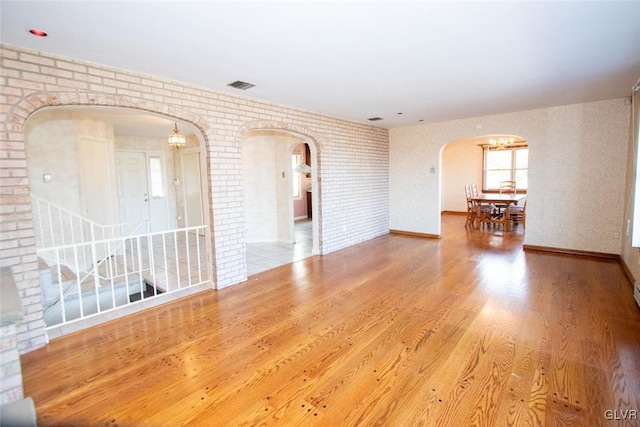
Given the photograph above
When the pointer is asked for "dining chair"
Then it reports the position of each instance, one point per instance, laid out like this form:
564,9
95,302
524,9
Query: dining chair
518,213
470,204
476,211
507,187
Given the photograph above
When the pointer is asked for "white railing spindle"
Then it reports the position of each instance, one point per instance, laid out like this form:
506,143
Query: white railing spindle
136,264
78,282
175,247
187,250
166,265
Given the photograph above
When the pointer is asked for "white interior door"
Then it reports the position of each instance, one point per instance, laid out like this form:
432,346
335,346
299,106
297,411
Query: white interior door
141,188
98,195
191,175
133,195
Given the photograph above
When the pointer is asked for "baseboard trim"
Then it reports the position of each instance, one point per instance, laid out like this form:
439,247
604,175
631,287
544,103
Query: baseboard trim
571,252
414,234
453,213
627,272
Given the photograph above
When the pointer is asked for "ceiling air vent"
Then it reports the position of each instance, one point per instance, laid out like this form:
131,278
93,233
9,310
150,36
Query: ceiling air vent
374,119
241,85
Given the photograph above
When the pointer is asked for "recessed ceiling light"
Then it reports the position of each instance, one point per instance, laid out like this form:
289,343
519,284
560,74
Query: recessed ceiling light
38,33
238,84
374,119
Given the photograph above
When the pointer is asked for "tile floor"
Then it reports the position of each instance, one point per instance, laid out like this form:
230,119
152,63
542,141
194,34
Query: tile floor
267,255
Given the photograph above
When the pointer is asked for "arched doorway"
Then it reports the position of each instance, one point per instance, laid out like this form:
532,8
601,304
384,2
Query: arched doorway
111,221
483,162
278,230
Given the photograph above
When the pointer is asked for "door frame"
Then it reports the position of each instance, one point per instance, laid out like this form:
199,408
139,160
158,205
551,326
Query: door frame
183,152
147,154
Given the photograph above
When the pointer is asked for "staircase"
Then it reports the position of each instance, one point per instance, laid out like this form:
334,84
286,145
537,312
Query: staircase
61,293
88,268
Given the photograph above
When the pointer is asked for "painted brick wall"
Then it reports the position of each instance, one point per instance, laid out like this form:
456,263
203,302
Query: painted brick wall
10,368
353,160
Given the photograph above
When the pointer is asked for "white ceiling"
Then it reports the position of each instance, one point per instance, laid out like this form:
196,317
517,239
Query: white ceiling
430,61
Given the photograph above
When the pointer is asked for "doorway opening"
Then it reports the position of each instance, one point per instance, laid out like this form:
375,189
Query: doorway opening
113,220
279,198
479,162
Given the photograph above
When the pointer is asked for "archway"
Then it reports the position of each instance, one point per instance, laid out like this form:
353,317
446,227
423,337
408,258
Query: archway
100,244
273,235
463,162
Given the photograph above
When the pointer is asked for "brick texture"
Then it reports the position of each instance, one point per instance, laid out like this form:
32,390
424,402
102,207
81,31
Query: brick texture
352,160
10,369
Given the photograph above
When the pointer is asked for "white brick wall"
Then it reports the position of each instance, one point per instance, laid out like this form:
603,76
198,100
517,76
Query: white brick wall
10,369
352,160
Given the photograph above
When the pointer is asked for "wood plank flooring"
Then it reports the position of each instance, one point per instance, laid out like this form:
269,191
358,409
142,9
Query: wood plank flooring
397,331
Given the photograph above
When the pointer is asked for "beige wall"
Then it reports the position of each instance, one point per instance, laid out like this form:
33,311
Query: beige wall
461,165
631,255
577,164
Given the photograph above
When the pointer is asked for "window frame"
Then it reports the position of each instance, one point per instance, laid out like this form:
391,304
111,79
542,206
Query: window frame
512,171
157,188
296,176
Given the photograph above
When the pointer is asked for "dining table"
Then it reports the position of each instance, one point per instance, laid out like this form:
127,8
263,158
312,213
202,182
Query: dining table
501,200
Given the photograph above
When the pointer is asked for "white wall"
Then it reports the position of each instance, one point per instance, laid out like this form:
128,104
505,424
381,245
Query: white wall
52,148
77,152
52,138
577,163
268,207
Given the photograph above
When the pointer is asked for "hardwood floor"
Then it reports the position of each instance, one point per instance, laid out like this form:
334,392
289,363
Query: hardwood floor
398,331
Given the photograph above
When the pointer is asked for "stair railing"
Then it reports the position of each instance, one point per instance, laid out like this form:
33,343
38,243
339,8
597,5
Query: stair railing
57,226
149,264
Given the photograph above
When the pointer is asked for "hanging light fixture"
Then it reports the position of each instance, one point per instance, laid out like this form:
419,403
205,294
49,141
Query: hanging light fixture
500,143
177,140
303,169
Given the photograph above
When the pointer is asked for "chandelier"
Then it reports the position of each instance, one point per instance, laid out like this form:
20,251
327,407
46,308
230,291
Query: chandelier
177,140
500,143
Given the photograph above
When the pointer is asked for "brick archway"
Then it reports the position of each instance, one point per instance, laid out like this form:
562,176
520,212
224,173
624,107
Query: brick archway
21,111
16,216
316,154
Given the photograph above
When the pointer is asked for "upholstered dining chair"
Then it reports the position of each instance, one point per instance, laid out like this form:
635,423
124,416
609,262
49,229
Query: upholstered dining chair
518,213
476,211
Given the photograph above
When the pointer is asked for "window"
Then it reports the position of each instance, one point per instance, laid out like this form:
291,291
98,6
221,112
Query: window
155,175
296,159
507,164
